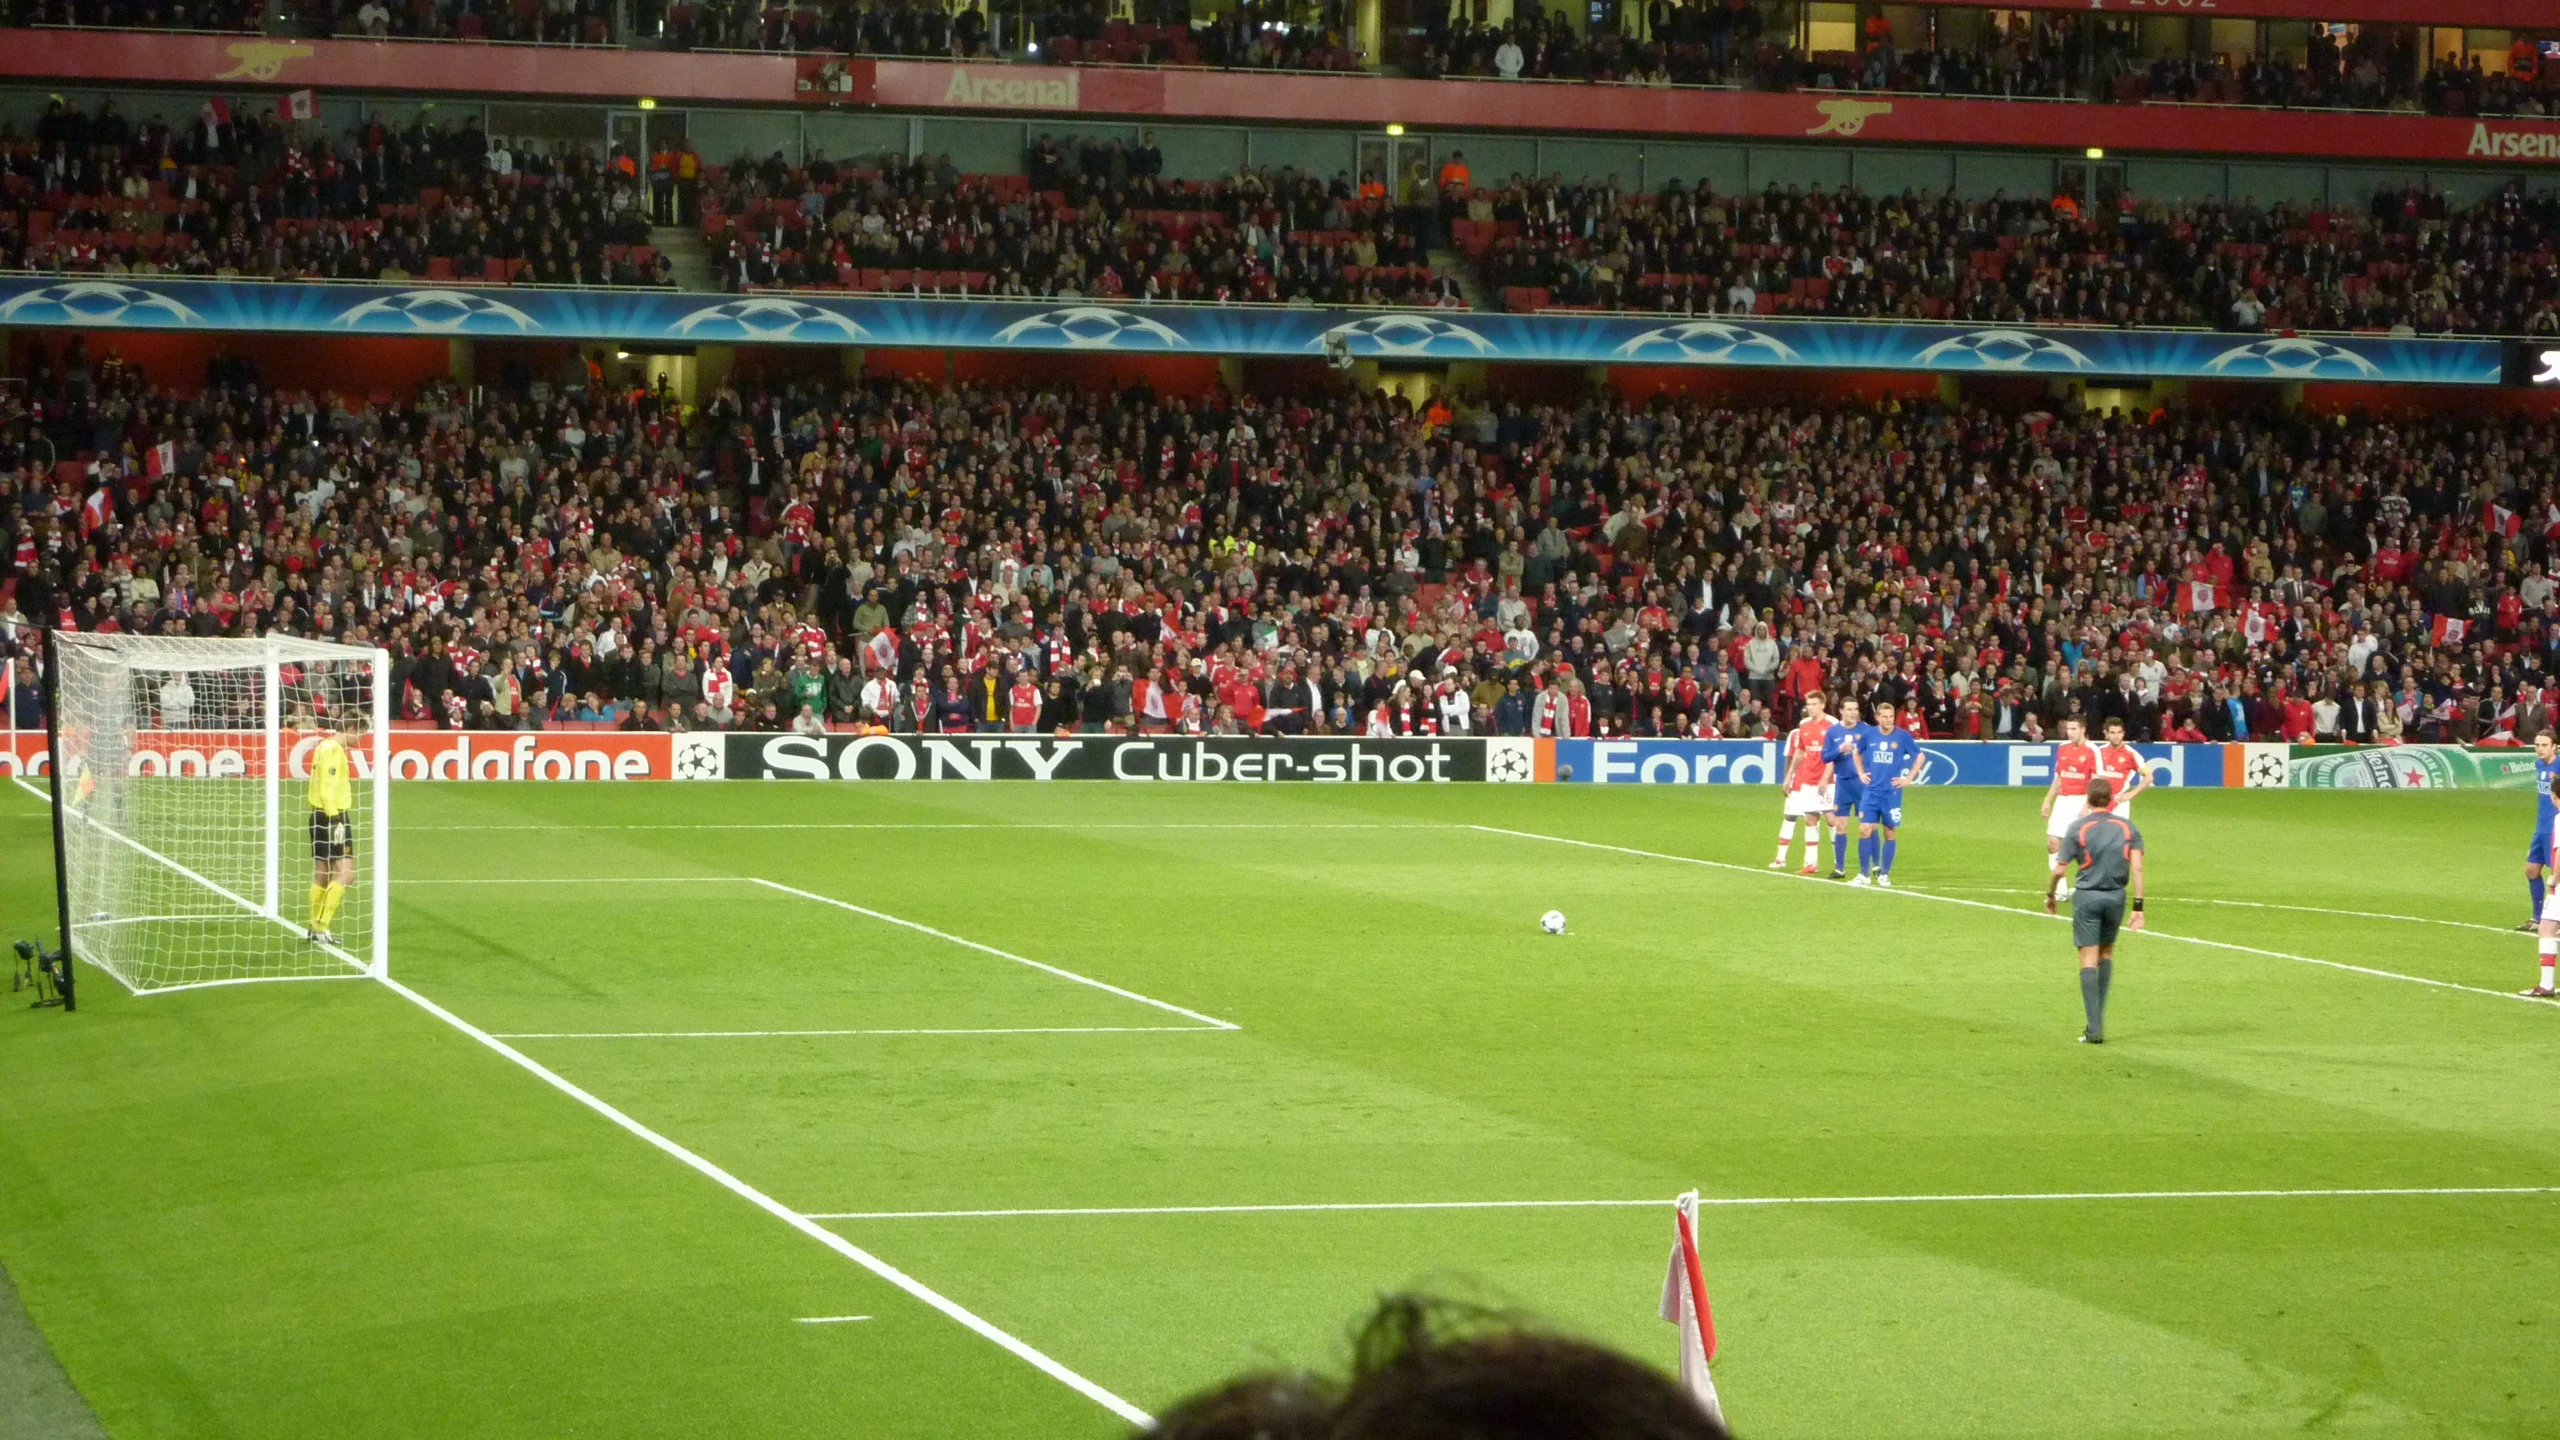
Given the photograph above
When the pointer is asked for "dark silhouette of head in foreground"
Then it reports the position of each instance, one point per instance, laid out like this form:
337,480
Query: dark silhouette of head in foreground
1426,1370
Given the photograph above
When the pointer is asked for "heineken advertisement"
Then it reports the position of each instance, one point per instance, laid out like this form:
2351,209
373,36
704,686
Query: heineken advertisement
2408,767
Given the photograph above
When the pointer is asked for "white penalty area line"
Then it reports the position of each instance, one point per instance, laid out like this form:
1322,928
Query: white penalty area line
1105,986
830,1319
970,1320
586,880
1019,1348
2011,910
971,825
1729,1201
796,1034
2269,905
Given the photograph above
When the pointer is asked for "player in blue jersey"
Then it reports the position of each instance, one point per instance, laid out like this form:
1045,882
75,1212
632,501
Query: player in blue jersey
2537,861
1885,764
2537,855
1839,745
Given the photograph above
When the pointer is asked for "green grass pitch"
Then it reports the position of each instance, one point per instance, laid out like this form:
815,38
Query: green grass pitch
318,1210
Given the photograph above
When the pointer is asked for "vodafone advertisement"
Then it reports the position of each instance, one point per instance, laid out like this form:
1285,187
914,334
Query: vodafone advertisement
415,755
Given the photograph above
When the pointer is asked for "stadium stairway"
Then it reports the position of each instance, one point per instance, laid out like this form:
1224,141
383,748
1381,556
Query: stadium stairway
683,247
1454,264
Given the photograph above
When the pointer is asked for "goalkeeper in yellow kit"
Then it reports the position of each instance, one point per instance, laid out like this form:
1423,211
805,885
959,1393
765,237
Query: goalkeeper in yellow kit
333,841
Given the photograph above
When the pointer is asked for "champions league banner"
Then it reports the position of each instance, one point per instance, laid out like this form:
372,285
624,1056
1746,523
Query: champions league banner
673,318
1942,762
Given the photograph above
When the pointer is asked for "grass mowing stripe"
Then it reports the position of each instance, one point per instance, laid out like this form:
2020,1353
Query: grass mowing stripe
2267,905
969,825
796,1034
921,929
2011,910
855,1253
864,1258
590,880
1735,1201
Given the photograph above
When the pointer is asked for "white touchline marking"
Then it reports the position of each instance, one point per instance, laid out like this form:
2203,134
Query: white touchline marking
846,1248
2267,905
829,1319
1738,1201
792,1034
1102,985
2007,910
855,1253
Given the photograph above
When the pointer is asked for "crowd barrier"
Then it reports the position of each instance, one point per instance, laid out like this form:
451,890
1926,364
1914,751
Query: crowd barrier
613,755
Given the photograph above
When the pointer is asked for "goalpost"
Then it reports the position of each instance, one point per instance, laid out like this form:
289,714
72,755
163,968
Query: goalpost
180,789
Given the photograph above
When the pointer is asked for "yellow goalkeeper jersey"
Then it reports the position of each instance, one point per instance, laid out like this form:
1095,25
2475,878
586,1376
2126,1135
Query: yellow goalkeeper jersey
330,792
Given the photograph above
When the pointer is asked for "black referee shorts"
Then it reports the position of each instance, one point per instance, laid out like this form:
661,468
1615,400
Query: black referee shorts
2096,915
333,837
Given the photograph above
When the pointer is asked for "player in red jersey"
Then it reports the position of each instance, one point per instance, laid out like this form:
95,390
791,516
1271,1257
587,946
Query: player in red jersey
2123,769
1807,781
2067,798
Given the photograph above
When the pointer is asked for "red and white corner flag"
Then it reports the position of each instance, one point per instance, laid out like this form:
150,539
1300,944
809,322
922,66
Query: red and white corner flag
1684,1303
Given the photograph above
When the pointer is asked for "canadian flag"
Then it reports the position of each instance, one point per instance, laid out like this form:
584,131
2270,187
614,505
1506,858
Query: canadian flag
2447,630
2195,596
299,105
1684,1303
160,459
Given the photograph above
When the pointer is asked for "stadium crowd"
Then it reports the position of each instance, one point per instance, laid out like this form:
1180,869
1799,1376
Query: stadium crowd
1095,221
548,22
2027,55
2024,55
2409,261
226,193
894,554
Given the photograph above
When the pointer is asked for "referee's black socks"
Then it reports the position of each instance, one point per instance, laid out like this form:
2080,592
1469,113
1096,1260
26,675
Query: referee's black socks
2093,997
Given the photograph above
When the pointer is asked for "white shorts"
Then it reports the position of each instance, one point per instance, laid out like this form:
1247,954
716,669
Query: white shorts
1808,802
2067,810
2551,903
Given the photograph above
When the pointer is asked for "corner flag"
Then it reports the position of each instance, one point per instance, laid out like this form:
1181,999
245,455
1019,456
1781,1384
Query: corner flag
1684,1303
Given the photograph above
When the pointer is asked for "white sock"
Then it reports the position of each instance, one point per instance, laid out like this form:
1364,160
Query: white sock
1786,834
2550,957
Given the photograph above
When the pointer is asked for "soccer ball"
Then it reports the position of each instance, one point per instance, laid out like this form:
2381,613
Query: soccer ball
1552,922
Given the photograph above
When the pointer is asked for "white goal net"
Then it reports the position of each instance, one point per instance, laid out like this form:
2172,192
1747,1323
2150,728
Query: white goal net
197,848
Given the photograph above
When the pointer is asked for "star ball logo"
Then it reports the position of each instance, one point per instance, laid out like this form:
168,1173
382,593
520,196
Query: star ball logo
699,757
2268,770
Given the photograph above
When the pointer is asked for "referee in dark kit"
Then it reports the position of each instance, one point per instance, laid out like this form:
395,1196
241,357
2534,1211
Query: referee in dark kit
2108,851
